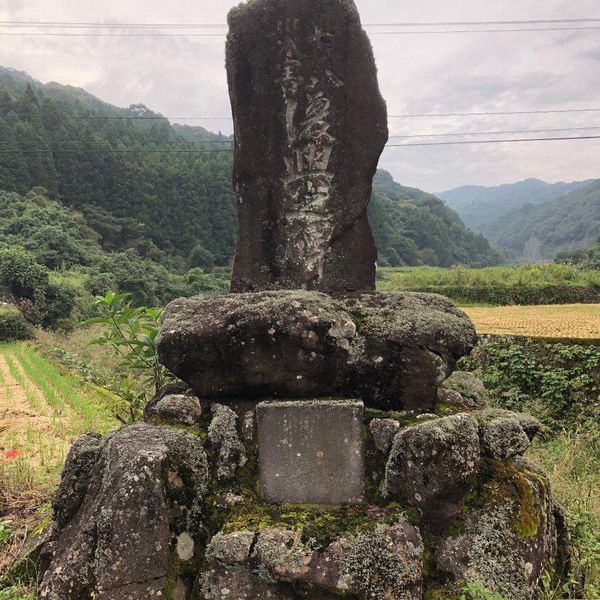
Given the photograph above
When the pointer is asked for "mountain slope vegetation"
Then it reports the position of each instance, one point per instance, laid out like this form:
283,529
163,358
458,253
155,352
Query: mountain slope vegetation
479,206
412,227
539,233
165,190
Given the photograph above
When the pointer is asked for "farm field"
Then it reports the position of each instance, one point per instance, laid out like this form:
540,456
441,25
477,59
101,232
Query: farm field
560,322
42,410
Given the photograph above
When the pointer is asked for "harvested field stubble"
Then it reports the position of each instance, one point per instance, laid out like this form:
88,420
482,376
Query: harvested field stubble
560,322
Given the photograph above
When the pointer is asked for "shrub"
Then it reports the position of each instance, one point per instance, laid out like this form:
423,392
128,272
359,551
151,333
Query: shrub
13,326
520,294
201,257
22,274
560,383
60,301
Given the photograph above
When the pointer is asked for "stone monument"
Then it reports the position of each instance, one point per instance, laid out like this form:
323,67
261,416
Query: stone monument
310,125
319,444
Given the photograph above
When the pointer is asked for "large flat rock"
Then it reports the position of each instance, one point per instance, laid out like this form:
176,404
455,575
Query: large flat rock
311,452
310,125
389,349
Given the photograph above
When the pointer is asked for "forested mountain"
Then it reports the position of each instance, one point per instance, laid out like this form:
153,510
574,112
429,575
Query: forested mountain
584,258
165,190
480,207
539,233
412,227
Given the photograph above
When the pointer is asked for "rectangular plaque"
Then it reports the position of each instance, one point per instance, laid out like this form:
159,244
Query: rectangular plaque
311,452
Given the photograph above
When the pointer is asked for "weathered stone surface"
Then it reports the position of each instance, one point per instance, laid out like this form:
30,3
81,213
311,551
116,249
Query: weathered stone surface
504,437
225,441
232,549
310,125
221,582
380,564
390,349
384,431
433,466
76,475
509,538
175,409
116,539
531,426
470,387
311,452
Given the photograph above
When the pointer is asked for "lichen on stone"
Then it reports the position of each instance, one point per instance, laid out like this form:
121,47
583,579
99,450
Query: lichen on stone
470,387
225,442
384,563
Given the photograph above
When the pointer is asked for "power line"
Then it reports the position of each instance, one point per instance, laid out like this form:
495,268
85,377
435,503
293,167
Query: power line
224,25
481,114
201,143
466,133
192,35
200,151
400,116
460,143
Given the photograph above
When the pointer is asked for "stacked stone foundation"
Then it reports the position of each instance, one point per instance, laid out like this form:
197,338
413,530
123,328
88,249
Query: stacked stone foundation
368,495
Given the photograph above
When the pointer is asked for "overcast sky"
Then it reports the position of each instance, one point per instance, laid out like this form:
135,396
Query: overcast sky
461,72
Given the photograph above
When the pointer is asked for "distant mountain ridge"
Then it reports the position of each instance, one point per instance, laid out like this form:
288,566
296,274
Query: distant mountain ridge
479,206
120,173
538,233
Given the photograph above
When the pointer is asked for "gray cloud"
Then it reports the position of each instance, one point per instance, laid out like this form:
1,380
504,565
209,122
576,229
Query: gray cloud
418,74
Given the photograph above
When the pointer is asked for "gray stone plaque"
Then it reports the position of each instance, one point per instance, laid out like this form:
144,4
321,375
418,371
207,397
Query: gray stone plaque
311,452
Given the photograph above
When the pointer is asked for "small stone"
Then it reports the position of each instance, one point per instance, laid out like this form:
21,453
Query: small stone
237,583
176,409
225,442
433,466
471,388
233,548
185,546
248,426
383,432
504,437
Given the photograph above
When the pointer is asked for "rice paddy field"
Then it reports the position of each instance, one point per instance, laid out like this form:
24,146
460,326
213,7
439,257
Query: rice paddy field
549,322
42,411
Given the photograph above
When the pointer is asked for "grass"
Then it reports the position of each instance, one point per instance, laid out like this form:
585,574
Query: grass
546,274
42,410
571,460
566,322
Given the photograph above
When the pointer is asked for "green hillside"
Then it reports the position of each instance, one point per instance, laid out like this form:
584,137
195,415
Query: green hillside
165,190
480,207
539,233
412,227
585,258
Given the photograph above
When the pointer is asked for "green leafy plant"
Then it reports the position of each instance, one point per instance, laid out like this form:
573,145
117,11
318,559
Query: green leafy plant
13,326
5,531
131,332
559,383
475,590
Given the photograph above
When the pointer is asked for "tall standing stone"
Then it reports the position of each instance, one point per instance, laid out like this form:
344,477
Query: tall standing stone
310,125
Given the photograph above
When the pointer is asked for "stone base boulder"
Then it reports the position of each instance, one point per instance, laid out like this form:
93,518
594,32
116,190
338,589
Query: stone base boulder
382,562
447,500
507,538
432,467
128,516
390,349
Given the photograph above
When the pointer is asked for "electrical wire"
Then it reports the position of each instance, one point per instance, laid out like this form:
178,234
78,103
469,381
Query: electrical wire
88,24
192,35
202,151
399,116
